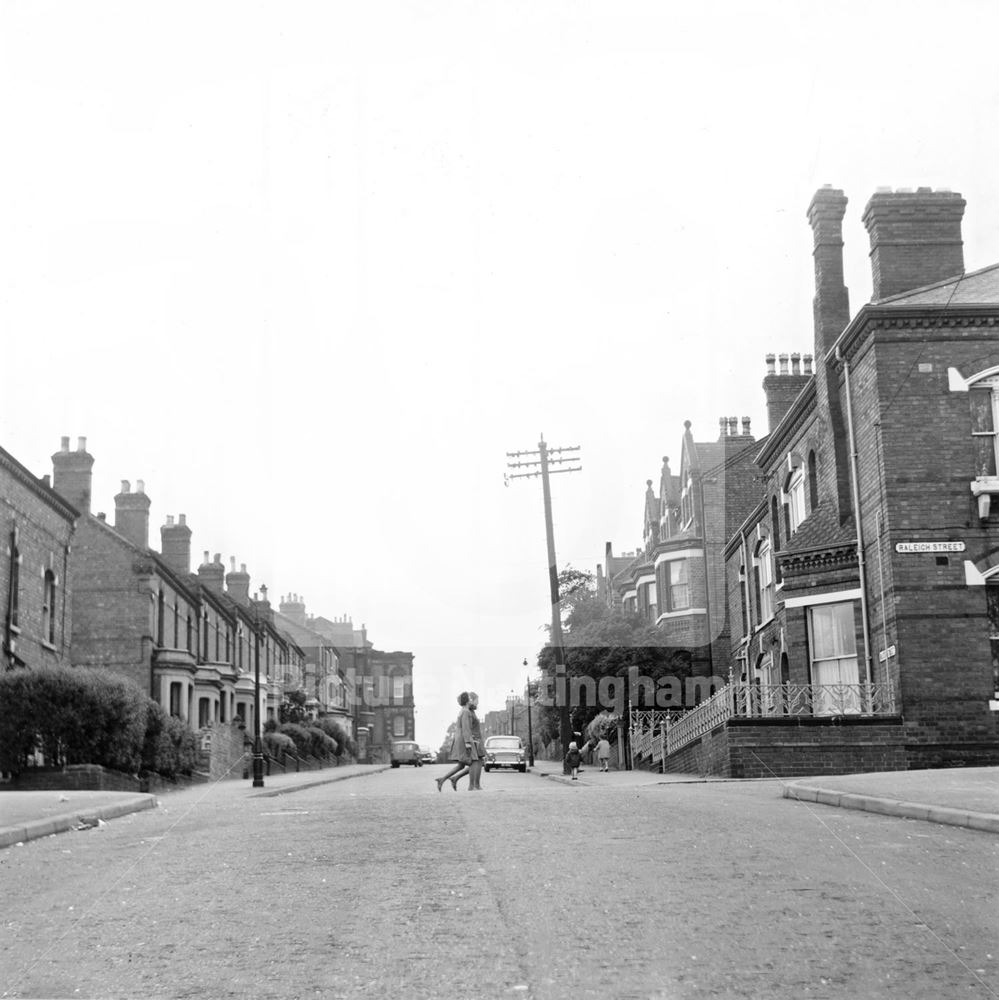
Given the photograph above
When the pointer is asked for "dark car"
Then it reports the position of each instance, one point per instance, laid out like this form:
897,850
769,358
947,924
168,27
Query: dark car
504,751
406,752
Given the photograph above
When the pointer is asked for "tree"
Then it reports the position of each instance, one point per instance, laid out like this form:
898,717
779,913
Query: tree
603,648
292,708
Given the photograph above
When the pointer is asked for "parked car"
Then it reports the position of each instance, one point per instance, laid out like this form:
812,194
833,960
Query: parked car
406,752
428,756
504,751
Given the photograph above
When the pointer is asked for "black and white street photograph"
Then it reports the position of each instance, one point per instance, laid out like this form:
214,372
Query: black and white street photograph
591,406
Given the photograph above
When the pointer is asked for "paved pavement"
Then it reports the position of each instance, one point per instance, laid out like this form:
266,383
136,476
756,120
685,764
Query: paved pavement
29,815
967,797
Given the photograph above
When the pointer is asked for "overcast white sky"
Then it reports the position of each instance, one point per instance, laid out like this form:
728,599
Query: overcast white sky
310,270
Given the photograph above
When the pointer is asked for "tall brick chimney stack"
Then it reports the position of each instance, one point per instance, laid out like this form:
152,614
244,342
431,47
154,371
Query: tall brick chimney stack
237,583
915,238
293,607
175,544
831,306
131,513
212,573
72,474
783,388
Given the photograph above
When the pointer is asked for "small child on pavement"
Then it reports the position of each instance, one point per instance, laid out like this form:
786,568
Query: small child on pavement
603,753
573,759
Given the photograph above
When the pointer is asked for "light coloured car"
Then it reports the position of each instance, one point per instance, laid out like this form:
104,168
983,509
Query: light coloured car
406,752
428,756
504,751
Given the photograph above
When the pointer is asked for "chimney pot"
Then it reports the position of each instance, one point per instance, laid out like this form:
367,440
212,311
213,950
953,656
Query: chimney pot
242,567
771,364
140,486
169,520
733,426
101,516
81,444
125,487
782,358
218,558
795,364
64,444
745,426
807,359
182,519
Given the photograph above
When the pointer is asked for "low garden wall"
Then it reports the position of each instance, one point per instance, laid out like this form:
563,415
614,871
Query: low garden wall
794,748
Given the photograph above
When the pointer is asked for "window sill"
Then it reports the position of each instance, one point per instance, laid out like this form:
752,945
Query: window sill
50,646
983,488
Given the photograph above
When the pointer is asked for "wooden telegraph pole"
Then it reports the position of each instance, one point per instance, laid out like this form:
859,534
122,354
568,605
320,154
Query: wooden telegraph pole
541,466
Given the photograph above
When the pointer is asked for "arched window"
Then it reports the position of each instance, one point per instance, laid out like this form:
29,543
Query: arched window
160,611
775,526
794,494
764,576
49,608
14,592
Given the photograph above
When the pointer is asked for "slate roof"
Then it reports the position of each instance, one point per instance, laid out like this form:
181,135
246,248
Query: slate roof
821,530
977,288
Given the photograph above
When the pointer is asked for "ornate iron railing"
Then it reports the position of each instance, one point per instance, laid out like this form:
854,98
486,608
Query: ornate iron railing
642,726
756,701
648,732
775,700
700,720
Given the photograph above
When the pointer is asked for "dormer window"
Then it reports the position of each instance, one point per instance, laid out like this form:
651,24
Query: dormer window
687,504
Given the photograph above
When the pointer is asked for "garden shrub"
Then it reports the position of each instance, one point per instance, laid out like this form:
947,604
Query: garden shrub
335,729
278,743
323,745
300,736
170,748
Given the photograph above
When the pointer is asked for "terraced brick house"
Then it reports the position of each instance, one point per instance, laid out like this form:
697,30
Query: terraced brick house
192,645
37,526
863,588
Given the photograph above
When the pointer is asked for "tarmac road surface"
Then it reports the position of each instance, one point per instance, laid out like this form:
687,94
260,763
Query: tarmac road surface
382,887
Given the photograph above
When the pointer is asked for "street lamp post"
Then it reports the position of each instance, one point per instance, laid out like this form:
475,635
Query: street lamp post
530,733
258,747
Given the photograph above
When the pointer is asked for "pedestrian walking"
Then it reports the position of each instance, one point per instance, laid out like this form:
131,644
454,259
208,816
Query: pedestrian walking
573,759
603,753
459,754
475,745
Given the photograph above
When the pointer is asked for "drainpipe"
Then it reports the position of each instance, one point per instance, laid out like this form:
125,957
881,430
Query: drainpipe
707,577
749,618
852,444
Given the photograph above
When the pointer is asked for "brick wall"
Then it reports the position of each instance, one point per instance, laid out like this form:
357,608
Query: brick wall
44,531
762,748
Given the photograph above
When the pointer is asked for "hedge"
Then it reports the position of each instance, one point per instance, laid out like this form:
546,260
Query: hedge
78,715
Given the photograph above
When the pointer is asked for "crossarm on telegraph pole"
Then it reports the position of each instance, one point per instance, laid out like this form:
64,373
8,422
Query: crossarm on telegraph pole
542,467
